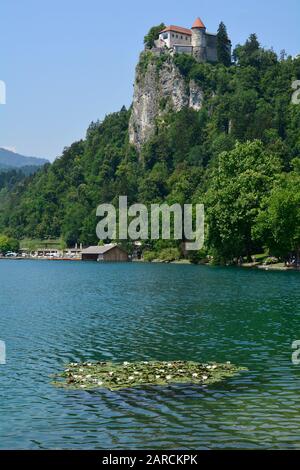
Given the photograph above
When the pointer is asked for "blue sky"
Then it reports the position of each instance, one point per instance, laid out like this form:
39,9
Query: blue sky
68,62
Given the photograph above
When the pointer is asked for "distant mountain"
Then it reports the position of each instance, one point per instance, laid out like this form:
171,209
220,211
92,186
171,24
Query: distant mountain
10,160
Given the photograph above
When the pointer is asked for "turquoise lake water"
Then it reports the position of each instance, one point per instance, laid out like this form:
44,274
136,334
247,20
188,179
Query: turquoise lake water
52,313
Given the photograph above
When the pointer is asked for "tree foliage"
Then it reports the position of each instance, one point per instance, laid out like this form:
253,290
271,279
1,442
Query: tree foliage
152,35
223,45
237,154
8,244
278,222
239,181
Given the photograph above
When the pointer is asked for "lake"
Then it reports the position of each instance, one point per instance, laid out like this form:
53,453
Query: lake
52,313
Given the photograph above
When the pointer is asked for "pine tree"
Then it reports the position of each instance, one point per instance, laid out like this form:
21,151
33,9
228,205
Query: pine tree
223,45
252,45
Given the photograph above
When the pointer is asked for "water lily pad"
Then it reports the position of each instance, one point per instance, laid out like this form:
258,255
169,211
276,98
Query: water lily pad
114,376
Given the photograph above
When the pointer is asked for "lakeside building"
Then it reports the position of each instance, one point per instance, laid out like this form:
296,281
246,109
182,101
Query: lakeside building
111,252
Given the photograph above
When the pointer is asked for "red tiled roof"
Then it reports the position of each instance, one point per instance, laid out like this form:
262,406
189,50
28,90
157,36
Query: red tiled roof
198,24
177,29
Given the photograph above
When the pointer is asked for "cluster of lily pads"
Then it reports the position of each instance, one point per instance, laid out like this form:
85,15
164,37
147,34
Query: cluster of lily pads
115,376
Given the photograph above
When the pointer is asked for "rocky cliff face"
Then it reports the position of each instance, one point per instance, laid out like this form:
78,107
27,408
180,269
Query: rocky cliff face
159,88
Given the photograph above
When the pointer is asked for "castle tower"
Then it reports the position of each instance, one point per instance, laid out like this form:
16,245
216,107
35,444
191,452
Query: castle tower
199,40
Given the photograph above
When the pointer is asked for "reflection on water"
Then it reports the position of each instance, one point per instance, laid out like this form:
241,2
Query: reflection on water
52,313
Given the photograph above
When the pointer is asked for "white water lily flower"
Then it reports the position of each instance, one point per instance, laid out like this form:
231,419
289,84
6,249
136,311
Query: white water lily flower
81,370
195,375
100,383
169,365
136,372
88,376
126,363
157,377
131,377
169,377
83,386
204,377
208,367
214,367
228,362
111,373
89,364
145,362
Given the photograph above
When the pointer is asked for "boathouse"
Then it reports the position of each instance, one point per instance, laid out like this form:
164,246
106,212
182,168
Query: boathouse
111,252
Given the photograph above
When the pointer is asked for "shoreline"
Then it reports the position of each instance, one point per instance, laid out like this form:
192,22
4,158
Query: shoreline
272,267
21,258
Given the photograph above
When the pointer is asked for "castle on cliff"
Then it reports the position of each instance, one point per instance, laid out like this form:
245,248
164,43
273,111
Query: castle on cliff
195,41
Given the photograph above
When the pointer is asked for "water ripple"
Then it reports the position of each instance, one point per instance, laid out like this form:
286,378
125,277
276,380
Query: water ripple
54,313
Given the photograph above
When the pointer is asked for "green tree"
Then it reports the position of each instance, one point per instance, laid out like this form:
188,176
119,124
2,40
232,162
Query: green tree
223,45
8,244
251,54
239,181
278,222
180,163
152,35
252,45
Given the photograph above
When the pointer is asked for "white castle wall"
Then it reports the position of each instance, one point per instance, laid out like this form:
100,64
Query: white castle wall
171,38
201,44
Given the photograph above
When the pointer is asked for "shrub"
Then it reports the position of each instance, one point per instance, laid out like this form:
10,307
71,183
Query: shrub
185,63
271,260
8,244
152,35
149,256
169,254
145,59
198,257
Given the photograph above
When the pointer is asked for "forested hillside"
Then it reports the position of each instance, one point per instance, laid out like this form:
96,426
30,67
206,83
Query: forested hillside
239,154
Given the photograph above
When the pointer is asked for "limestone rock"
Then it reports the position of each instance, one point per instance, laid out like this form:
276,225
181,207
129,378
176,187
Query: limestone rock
159,88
